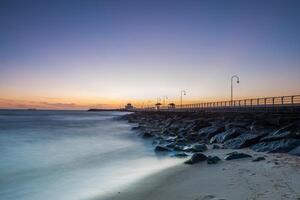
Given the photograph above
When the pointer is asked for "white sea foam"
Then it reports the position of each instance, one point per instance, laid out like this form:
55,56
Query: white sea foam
70,155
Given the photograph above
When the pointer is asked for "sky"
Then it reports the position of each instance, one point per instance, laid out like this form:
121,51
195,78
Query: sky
105,53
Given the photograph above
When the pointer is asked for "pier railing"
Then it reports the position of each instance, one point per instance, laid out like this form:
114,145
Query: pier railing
267,102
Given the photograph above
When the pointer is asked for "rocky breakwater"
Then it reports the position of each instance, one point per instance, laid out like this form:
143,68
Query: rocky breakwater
187,134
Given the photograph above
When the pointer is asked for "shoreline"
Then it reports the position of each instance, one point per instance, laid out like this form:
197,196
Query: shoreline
274,178
233,156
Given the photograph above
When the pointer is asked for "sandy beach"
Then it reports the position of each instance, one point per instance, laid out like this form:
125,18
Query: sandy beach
275,178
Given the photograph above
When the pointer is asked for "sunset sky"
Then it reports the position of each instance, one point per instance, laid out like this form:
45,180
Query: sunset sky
105,53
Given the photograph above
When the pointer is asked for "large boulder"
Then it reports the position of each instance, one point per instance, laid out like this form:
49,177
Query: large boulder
243,141
289,131
159,148
195,148
295,151
278,146
229,134
212,160
236,155
196,157
258,159
209,132
147,135
199,148
198,124
231,125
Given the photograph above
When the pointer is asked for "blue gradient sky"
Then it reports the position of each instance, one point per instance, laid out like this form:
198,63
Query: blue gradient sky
79,54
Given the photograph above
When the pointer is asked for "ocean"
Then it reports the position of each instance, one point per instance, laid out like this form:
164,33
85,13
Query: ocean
71,155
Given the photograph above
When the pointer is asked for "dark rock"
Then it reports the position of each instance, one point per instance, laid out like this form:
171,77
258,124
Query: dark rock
289,131
208,132
147,135
161,148
200,124
236,155
135,128
229,126
180,155
215,146
295,151
195,148
229,134
258,159
171,139
199,148
242,141
193,137
213,159
277,146
171,145
196,157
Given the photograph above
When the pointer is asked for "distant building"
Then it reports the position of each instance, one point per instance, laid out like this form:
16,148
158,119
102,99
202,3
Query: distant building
171,105
128,106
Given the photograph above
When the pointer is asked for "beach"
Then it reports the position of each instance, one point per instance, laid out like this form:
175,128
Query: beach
275,178
234,156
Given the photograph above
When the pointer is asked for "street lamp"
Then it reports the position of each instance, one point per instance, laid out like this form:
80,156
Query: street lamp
158,100
164,100
237,81
183,92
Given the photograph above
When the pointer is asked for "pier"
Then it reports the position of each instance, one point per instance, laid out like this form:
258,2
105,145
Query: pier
266,104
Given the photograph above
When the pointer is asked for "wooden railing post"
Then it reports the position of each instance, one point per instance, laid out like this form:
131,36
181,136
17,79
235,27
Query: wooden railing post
292,100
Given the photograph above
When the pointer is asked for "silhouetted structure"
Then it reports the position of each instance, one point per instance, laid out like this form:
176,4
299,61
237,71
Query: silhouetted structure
171,105
157,105
129,107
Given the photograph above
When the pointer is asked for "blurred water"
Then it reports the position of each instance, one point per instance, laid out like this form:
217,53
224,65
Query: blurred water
70,155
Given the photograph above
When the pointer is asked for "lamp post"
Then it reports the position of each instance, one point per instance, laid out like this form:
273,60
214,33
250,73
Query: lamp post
158,99
237,81
183,92
164,100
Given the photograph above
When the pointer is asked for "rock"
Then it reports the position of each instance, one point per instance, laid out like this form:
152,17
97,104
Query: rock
289,131
258,159
231,125
199,124
171,145
215,146
229,134
180,155
136,128
277,146
195,148
196,157
208,132
236,155
295,151
213,160
242,141
147,135
161,148
199,148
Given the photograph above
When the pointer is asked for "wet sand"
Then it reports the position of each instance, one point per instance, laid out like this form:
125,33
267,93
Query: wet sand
276,178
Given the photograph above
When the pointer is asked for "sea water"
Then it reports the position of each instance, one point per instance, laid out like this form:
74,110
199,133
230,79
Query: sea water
66,155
